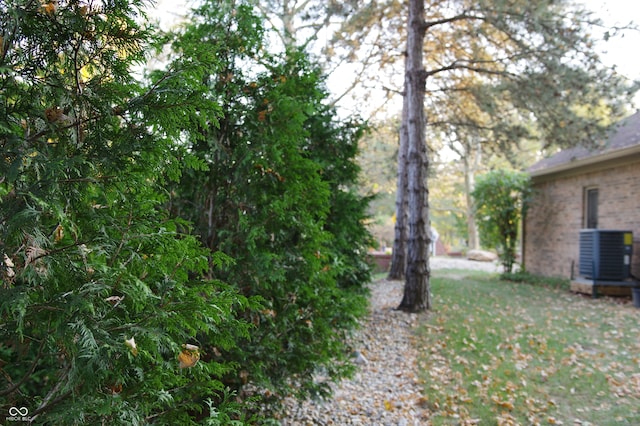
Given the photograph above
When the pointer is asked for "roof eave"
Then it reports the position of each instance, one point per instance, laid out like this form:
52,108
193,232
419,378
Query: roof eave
588,161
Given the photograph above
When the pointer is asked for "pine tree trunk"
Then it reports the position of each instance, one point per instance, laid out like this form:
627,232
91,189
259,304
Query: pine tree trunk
417,297
473,151
473,241
399,254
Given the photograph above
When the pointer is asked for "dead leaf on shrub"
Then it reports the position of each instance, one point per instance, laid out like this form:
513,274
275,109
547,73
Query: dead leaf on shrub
189,356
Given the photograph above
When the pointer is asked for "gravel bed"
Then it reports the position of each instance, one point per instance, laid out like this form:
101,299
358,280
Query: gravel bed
385,389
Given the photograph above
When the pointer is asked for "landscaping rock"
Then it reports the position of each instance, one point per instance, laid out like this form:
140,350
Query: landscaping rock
481,256
385,390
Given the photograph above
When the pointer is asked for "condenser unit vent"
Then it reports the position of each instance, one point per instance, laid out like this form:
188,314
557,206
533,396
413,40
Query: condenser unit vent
605,254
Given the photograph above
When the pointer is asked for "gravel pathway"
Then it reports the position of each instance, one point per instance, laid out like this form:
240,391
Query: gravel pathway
385,390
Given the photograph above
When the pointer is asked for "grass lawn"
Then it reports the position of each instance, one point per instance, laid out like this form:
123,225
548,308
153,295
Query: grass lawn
495,352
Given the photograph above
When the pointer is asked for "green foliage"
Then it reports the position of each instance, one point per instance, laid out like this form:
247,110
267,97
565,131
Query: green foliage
100,289
111,310
501,197
276,196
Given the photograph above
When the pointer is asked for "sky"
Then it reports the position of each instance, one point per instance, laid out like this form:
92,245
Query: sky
622,51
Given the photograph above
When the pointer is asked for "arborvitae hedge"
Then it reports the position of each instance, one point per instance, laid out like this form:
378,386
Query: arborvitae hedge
112,311
100,288
277,197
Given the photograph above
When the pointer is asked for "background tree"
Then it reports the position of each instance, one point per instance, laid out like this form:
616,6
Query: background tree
464,126
501,198
529,68
398,266
448,204
468,132
327,30
104,309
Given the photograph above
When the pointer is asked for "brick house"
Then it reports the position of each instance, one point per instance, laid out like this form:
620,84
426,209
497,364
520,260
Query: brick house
577,188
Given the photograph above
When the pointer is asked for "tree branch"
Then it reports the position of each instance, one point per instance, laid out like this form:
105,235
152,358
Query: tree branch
461,17
15,386
457,65
46,404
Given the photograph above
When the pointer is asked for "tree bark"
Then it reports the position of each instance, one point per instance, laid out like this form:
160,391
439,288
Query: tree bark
399,253
471,163
417,297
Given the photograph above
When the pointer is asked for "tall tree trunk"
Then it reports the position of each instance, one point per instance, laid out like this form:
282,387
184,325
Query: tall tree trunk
399,253
417,295
471,161
473,241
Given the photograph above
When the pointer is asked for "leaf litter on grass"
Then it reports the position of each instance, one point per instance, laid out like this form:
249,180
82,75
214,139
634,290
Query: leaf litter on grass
495,352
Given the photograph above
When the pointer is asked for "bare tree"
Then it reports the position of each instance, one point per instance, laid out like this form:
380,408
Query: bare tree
330,30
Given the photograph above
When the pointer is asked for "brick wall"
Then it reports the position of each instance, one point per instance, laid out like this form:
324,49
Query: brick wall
554,220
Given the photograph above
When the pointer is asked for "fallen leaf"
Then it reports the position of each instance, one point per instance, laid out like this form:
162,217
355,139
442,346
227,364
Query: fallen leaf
502,403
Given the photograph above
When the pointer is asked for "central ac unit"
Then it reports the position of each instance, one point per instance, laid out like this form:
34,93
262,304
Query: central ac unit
605,254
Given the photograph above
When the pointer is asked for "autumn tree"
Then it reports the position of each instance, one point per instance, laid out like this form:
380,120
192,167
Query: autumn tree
463,125
376,158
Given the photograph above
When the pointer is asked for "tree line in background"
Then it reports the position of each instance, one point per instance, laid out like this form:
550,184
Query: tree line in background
500,77
181,248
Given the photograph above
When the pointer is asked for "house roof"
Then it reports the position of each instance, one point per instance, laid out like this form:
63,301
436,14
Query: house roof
623,141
